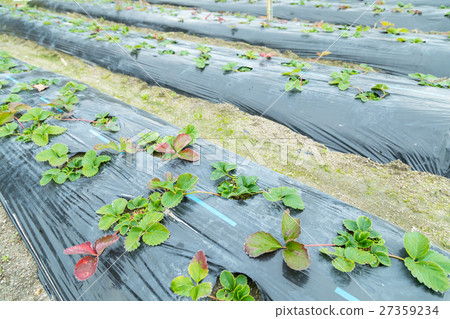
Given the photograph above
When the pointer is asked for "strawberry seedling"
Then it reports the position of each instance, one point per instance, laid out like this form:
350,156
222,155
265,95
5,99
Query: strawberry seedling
295,254
87,266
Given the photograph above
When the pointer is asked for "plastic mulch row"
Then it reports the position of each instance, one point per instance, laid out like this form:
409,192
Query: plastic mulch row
55,217
374,47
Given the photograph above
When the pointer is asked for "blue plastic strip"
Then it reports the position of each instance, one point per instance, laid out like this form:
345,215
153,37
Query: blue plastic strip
345,294
14,80
104,139
45,100
212,210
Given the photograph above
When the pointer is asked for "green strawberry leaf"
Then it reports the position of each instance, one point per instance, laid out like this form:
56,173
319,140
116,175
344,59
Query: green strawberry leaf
186,181
182,286
201,290
155,234
416,244
106,221
364,223
438,259
359,256
227,280
132,240
428,273
343,264
170,199
8,129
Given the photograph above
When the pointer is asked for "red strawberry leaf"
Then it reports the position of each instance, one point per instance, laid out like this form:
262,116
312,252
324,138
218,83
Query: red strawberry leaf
82,249
102,243
267,55
86,267
164,148
189,155
181,141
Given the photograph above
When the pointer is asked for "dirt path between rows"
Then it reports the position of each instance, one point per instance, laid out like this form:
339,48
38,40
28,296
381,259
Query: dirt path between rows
18,271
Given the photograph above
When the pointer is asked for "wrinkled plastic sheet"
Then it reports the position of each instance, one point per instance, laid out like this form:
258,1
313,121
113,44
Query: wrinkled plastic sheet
55,217
375,48
412,124
431,19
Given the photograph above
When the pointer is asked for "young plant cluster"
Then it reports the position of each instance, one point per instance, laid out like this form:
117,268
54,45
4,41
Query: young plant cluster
168,147
67,99
234,288
203,60
295,82
431,80
87,165
359,244
342,80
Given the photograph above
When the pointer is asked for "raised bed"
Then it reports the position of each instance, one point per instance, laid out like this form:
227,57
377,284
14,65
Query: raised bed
54,217
429,19
410,124
393,53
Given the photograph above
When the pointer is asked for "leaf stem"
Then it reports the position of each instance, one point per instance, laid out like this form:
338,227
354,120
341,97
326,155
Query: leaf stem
214,298
400,258
357,88
19,122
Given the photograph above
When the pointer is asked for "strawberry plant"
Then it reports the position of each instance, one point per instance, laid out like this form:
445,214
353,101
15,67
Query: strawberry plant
12,98
177,149
106,122
169,146
166,51
87,266
295,80
137,219
175,188
431,80
202,61
56,155
39,132
233,66
249,55
396,31
22,87
366,68
198,270
244,187
234,289
296,64
295,254
341,79
135,49
377,93
361,245
88,165
67,100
